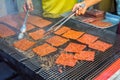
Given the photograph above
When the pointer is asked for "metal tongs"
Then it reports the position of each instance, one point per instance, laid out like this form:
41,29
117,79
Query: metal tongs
23,27
61,22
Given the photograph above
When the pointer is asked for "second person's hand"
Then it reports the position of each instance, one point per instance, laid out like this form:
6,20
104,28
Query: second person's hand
28,5
80,8
87,3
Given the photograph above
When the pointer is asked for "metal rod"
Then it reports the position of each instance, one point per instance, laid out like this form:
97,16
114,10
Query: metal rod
26,16
59,22
64,21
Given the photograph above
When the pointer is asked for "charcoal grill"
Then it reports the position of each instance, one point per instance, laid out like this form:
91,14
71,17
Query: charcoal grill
45,68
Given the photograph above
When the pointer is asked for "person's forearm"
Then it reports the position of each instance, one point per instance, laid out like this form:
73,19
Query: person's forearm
91,2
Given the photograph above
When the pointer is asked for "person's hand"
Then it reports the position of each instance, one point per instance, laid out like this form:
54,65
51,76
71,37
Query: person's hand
28,5
80,8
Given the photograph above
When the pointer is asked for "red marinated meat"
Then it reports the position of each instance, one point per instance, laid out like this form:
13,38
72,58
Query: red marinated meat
100,45
23,44
75,47
5,31
87,39
38,34
62,30
44,49
56,40
66,60
85,55
72,34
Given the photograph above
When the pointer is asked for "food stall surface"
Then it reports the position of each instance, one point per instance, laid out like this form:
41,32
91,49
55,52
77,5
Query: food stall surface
28,60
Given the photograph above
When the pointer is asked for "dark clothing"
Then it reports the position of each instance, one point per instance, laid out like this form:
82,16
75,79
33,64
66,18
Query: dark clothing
118,29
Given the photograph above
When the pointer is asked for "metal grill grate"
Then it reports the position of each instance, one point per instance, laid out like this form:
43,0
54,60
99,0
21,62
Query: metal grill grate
82,70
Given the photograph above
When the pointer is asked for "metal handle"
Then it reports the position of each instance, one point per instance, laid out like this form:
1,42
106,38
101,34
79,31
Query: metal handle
64,22
68,17
26,16
65,19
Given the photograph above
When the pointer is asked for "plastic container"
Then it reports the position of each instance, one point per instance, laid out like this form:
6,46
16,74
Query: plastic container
118,6
112,18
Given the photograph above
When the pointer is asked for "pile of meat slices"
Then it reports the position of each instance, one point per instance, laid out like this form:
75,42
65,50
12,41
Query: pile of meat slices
96,17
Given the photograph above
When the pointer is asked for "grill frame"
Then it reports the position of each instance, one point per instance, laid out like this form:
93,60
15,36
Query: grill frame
68,73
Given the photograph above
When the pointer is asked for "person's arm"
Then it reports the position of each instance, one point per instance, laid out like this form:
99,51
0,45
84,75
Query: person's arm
87,3
28,4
